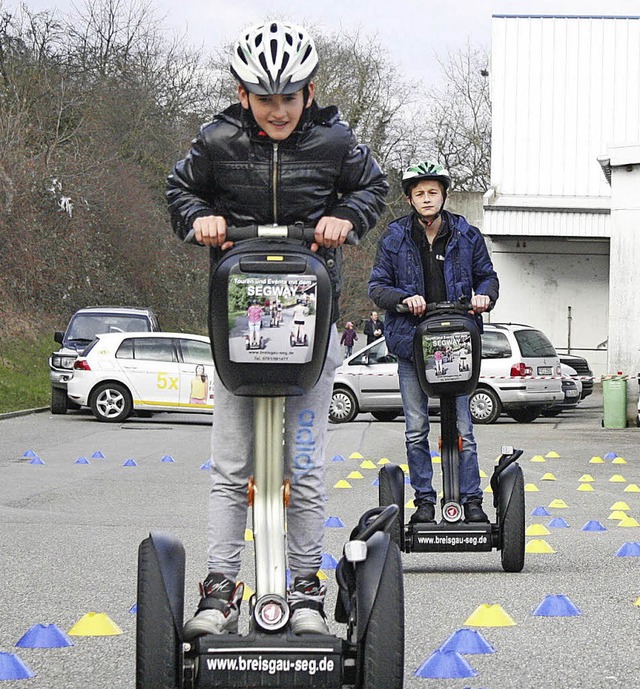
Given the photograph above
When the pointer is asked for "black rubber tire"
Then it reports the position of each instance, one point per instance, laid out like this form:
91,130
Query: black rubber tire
386,497
344,406
512,529
550,412
525,414
158,647
120,396
484,405
385,415
58,401
380,661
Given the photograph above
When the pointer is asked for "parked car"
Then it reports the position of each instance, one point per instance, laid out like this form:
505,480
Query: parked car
582,371
572,389
82,329
519,374
120,373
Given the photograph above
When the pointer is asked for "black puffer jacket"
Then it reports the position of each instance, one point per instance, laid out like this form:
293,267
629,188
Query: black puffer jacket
235,171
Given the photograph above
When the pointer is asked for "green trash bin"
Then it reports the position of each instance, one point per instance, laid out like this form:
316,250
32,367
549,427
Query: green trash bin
614,393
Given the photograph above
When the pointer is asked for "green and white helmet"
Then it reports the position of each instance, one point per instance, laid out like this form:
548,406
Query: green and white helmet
425,170
274,58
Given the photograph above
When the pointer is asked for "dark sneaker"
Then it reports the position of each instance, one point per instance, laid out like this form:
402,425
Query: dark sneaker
306,599
425,514
473,512
219,607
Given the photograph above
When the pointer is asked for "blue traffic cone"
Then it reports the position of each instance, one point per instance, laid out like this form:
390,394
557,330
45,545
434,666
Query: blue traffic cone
558,523
44,636
630,549
134,609
130,463
36,460
611,455
11,667
338,458
97,455
467,641
375,482
167,458
593,525
29,454
82,460
328,561
334,523
556,606
207,465
541,512
445,664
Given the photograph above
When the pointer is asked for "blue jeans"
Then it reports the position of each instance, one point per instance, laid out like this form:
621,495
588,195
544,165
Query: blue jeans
416,412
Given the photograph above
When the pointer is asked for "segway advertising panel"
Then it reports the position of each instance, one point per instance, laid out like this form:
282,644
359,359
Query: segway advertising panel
252,359
447,352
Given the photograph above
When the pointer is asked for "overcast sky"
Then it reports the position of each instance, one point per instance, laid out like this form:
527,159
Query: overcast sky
413,31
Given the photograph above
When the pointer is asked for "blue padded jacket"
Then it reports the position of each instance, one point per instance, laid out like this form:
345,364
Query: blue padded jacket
397,274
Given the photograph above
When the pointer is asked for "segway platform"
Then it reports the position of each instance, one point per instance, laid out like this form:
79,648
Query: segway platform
445,537
267,660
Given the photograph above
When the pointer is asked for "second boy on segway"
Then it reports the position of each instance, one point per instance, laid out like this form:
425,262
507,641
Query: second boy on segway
430,256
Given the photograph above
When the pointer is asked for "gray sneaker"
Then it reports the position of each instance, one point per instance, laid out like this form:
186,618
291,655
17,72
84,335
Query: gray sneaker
219,607
306,599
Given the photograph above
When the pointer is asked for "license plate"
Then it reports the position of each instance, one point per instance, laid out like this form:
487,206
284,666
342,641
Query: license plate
572,393
544,370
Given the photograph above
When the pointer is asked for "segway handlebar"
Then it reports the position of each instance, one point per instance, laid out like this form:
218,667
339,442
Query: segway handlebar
297,231
375,519
463,305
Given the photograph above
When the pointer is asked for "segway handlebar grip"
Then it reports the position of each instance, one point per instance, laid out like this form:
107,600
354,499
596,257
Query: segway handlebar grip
461,306
297,231
375,519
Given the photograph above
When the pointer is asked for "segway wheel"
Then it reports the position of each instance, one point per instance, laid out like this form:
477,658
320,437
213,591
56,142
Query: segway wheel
391,492
512,528
158,647
380,657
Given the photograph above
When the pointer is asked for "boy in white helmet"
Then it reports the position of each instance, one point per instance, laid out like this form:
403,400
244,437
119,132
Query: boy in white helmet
275,157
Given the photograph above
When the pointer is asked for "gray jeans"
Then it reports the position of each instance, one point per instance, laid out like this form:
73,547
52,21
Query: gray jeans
306,420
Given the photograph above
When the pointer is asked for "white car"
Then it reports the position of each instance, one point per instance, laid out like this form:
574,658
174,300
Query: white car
519,374
119,373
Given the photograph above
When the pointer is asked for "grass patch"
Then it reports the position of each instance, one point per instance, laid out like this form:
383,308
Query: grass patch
24,372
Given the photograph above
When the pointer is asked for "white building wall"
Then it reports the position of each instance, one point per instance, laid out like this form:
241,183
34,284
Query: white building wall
564,89
540,278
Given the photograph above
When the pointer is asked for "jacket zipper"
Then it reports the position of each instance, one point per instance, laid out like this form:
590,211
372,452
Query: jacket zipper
274,182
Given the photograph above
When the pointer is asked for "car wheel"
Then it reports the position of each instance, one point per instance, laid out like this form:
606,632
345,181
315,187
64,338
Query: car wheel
484,405
111,402
344,406
384,415
525,414
58,401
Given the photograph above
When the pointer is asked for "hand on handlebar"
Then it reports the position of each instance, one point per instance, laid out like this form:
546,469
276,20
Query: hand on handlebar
416,304
480,303
211,230
331,232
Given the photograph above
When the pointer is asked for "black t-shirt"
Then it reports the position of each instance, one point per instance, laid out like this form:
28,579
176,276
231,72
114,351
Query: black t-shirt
432,256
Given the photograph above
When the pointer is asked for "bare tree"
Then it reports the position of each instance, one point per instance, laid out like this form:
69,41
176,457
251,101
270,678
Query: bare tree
460,119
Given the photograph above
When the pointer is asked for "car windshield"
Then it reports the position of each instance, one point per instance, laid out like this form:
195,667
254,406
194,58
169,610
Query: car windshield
84,327
533,343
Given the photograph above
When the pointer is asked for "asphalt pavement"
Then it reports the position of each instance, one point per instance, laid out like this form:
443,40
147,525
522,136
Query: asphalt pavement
72,528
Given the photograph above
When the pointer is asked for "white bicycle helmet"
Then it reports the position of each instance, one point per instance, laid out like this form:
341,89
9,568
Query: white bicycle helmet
425,170
274,58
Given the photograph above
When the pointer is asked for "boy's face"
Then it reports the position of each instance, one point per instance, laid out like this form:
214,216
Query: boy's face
277,115
427,197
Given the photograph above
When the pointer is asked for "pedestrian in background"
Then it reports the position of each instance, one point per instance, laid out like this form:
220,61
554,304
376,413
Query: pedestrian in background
349,336
373,328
